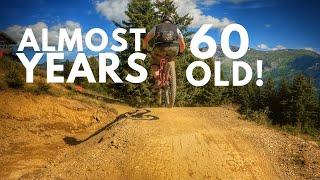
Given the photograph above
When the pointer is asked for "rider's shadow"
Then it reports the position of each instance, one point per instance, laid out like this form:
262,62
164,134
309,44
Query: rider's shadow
141,114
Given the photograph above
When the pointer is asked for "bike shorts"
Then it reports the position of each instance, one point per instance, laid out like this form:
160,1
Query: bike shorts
159,52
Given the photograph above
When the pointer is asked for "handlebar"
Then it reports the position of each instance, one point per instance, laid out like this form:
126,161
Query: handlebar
146,51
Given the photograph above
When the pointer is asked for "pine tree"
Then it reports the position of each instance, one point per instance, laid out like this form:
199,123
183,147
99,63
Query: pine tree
67,66
254,95
317,124
208,95
212,95
167,7
268,97
297,107
143,14
94,65
284,98
303,103
311,104
244,100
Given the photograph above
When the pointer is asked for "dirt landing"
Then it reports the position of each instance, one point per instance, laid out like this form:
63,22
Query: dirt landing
185,143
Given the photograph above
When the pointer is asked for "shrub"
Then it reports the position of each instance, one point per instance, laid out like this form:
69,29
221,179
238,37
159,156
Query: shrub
4,61
13,71
3,85
38,71
68,86
14,78
42,87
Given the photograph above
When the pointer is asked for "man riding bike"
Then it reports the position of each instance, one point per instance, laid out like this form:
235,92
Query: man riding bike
169,42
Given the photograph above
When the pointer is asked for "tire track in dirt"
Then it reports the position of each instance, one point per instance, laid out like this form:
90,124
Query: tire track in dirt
193,146
184,143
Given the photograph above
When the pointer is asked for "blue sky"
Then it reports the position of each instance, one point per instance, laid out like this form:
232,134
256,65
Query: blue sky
271,24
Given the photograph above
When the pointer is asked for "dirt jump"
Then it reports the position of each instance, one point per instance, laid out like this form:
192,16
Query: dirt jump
152,143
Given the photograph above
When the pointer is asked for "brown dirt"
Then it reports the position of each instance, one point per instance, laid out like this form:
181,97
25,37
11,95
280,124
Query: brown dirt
59,138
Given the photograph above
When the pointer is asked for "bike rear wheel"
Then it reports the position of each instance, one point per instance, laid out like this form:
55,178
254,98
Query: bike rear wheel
159,100
170,90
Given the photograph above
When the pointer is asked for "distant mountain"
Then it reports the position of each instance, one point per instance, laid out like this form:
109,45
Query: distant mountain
280,63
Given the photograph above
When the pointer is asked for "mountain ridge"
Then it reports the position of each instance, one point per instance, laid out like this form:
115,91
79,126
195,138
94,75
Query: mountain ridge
278,64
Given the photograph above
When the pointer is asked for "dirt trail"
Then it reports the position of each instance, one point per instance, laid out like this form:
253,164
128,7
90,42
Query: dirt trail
181,143
185,143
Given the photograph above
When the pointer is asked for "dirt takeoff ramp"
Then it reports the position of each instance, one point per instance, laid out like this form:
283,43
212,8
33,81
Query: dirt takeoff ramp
181,143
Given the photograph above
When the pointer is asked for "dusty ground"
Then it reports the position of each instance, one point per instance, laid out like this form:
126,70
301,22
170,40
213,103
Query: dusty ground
60,138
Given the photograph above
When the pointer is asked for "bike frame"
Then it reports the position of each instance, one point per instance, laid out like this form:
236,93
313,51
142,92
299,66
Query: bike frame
165,84
163,75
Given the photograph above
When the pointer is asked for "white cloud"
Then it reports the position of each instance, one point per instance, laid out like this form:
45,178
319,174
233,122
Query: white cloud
278,47
190,7
310,49
209,2
263,46
115,11
267,25
237,1
17,31
267,48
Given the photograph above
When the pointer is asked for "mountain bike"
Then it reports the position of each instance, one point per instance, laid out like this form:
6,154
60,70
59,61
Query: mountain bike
167,80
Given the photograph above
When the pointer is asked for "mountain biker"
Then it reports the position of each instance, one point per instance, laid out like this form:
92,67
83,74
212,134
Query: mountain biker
169,43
